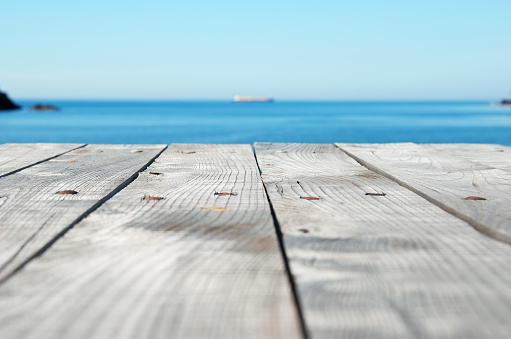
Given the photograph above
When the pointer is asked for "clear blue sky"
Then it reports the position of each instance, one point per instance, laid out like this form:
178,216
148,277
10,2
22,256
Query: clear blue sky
160,49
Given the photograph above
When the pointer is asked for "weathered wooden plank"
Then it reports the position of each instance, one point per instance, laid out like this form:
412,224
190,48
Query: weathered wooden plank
194,264
32,213
455,184
14,157
496,156
368,265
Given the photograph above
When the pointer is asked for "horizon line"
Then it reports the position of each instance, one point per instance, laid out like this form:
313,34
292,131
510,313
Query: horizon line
275,100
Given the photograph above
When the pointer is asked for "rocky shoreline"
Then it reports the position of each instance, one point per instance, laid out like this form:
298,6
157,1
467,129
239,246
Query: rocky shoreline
6,103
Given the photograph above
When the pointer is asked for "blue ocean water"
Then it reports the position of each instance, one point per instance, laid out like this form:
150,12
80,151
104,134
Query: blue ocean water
281,121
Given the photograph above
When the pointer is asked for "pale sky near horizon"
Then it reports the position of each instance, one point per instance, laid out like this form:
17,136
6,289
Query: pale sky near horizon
294,50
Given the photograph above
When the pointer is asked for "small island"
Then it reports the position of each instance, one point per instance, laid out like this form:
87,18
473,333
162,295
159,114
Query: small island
40,107
6,103
505,102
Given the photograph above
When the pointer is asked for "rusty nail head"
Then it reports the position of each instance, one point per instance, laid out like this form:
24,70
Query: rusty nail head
474,198
67,192
153,198
225,193
376,194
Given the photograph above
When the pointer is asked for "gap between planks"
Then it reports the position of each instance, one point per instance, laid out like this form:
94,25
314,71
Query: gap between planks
192,264
285,258
27,159
25,253
447,199
392,266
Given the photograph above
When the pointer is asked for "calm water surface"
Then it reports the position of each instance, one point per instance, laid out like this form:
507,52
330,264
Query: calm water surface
226,122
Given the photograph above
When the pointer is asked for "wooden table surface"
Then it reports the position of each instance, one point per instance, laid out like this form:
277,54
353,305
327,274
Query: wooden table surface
263,241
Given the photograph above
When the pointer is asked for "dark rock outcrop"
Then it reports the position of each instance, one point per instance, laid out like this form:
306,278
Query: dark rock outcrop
6,103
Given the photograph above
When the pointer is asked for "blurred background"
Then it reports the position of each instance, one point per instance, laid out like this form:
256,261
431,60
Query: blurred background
162,71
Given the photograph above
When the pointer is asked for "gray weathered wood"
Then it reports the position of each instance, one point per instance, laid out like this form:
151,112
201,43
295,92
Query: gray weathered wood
374,266
496,156
32,214
446,180
14,157
194,264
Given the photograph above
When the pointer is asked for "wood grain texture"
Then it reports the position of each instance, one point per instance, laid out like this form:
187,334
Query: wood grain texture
446,180
381,266
496,156
14,157
32,214
194,264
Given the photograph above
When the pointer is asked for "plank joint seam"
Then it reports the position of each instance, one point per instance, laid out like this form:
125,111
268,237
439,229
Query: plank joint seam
83,215
280,240
478,226
41,161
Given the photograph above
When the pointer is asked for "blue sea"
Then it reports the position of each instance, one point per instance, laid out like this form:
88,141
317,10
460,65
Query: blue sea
281,121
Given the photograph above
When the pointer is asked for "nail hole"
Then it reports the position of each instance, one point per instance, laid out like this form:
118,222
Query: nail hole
155,173
184,152
135,151
303,230
376,194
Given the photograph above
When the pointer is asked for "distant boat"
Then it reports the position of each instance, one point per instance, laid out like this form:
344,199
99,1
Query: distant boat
239,98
